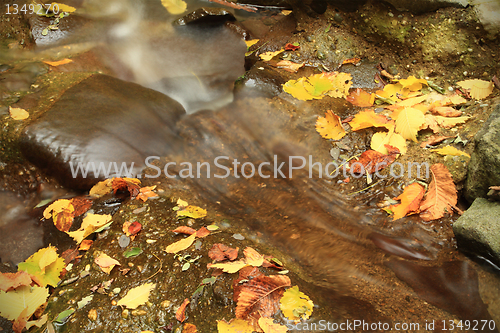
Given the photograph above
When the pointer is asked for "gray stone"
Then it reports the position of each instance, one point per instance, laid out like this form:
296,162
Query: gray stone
424,6
484,166
478,230
488,13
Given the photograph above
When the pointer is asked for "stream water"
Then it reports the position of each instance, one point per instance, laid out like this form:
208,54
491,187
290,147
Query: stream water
358,262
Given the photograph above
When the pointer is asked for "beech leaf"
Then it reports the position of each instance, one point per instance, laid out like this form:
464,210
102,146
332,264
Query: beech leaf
441,194
478,89
14,302
13,280
45,266
330,126
137,296
409,122
410,201
369,118
449,150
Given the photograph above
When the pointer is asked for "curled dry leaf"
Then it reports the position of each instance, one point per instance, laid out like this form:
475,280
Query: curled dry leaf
180,315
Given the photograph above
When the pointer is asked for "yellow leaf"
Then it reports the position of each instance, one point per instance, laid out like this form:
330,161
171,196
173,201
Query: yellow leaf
230,267
18,113
58,63
106,262
45,266
296,89
101,188
137,296
449,150
341,82
369,118
181,245
90,223
14,302
252,257
63,7
266,56
409,122
330,126
479,89
380,139
192,211
234,326
296,305
412,83
268,326
410,201
449,122
181,203
319,85
251,42
412,101
174,7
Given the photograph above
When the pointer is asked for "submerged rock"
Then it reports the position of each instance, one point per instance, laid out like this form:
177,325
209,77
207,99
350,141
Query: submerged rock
101,122
478,230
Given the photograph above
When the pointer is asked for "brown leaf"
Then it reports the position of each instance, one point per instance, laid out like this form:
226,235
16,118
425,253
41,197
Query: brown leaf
202,232
180,315
246,273
69,255
260,296
189,328
10,281
372,161
220,252
126,184
85,245
184,230
441,194
434,139
81,205
291,47
20,323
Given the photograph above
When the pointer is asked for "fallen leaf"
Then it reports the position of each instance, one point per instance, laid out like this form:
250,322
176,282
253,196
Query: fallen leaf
449,150
101,188
45,266
289,66
441,194
267,56
351,61
184,230
330,127
409,122
412,83
369,118
58,63
106,263
38,323
234,326
10,281
268,326
63,7
447,122
134,228
410,201
90,223
291,47
319,85
136,296
174,7
80,205
181,245
146,192
180,315
229,267
18,113
62,213
446,111
189,328
252,257
220,252
431,123
381,140
193,212
434,139
372,161
202,232
132,185
20,323
296,305
478,89
359,97
14,302
251,42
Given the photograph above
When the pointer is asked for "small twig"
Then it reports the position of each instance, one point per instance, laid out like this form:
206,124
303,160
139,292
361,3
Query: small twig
159,269
366,188
248,8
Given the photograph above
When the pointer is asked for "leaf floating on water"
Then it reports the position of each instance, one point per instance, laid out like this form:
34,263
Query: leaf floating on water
410,201
18,113
479,89
137,296
441,195
296,305
174,7
330,127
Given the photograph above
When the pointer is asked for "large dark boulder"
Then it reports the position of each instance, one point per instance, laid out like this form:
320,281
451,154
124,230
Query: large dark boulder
101,121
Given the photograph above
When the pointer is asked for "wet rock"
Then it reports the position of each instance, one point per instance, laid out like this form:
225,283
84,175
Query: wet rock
488,13
478,230
101,120
424,6
264,80
206,15
484,166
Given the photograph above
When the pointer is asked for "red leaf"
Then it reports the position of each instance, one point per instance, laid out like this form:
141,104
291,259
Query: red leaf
220,252
134,228
81,205
180,315
372,161
202,232
291,47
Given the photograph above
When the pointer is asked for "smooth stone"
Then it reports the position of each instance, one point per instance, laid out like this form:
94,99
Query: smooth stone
101,120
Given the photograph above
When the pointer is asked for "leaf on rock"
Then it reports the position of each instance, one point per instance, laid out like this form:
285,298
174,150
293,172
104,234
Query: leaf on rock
174,7
410,201
260,296
184,230
181,245
319,85
381,140
251,42
408,123
180,315
252,257
90,223
10,281
359,97
434,139
106,263
441,194
372,161
81,205
449,150
63,7
45,266
369,118
447,122
131,185
134,228
18,113
330,126
58,63
267,56
296,305
478,89
230,267
62,214
234,326
14,302
220,252
412,83
341,83
202,232
137,296
193,212
289,66
146,192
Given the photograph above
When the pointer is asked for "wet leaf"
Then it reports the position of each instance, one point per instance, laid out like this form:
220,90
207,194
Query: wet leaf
441,194
292,47
189,328
63,7
62,213
252,257
45,32
449,150
234,326
296,305
408,123
220,252
10,281
134,228
90,224
369,118
447,122
193,212
106,263
212,227
267,56
372,161
381,140
229,267
14,302
174,7
478,89
132,185
58,63
202,232
181,245
45,266
410,201
133,252
136,296
330,127
359,97
268,326
319,85
289,66
146,192
101,188
184,230
180,315
251,42
18,113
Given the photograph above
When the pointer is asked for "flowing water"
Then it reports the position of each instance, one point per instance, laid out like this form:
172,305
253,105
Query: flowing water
359,263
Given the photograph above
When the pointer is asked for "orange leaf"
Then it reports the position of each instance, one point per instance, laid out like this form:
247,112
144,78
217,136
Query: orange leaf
445,111
146,193
20,323
410,201
58,63
220,252
189,328
441,195
180,315
253,257
10,281
129,184
85,245
202,232
351,61
434,139
366,119
359,97
184,230
81,205
372,161
330,126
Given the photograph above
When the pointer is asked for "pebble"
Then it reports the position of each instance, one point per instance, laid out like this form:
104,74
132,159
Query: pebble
338,18
124,241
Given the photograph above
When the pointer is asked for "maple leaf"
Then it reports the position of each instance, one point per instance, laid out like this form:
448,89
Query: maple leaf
180,315
18,113
181,245
449,150
234,326
260,296
24,298
296,305
106,263
90,223
136,296
381,140
410,201
220,252
62,213
372,161
478,89
174,7
369,118
409,122
330,126
359,97
441,194
45,266
267,56
447,122
10,281
58,62
434,139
